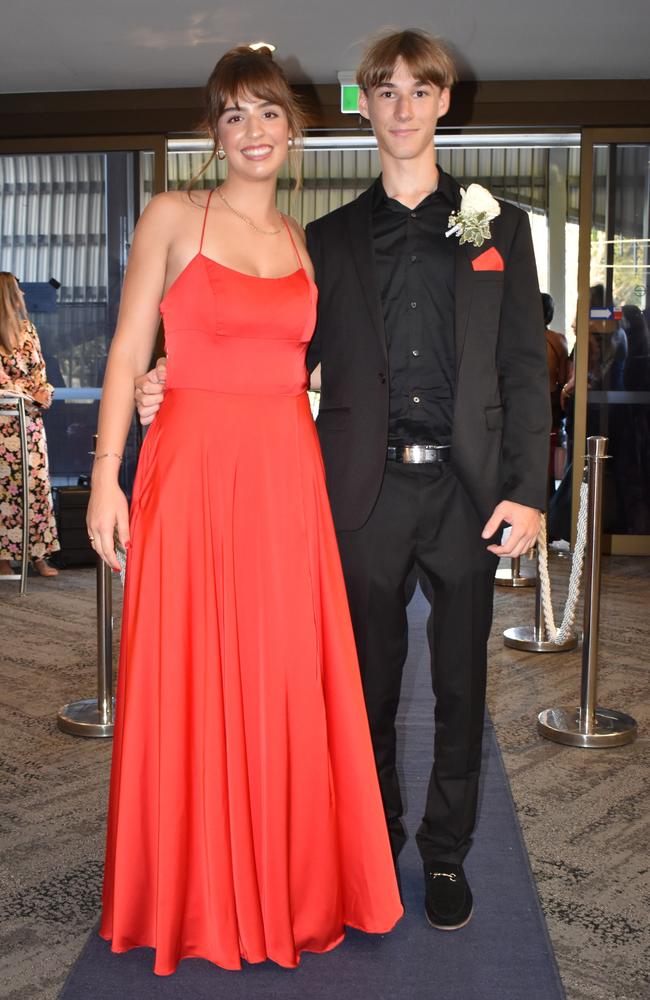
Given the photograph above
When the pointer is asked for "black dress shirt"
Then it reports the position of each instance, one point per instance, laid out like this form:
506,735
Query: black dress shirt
415,265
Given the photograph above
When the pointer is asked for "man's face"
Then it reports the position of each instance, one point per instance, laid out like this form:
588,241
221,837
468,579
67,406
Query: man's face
404,113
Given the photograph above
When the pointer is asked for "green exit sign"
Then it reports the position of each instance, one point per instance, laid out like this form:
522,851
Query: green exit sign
349,92
350,98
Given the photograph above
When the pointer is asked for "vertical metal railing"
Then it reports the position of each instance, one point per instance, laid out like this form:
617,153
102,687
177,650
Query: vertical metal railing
14,406
93,717
535,639
512,576
590,726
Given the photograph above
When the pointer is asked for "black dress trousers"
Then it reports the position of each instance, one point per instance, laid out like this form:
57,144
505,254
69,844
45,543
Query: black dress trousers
424,521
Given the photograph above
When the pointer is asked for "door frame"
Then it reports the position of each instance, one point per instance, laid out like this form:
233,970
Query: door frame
613,544
156,144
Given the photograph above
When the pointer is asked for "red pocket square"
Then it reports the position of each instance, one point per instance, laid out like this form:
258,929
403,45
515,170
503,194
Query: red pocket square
489,260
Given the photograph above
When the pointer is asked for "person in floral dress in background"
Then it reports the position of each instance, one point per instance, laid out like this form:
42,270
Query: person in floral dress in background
22,373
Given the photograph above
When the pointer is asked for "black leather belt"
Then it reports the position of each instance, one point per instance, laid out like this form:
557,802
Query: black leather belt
418,454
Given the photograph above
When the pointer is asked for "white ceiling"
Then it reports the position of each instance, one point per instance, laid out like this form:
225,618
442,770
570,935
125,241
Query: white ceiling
51,45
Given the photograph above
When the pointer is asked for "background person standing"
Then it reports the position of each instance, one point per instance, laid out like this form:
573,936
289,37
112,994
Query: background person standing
22,373
557,359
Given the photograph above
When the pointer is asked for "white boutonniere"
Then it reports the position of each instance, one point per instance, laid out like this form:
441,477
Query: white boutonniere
472,222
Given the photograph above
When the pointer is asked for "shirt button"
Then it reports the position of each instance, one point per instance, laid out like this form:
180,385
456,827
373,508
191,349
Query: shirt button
413,258
414,305
414,215
415,352
416,399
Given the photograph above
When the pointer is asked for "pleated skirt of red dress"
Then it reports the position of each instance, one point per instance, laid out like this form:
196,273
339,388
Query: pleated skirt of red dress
245,819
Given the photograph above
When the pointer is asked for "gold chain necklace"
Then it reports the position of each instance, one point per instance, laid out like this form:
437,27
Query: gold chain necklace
244,218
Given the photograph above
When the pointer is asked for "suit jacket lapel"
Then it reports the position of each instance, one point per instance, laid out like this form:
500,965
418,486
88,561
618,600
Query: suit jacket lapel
360,228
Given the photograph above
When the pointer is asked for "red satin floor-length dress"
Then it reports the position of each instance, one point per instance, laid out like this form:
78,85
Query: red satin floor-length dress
245,819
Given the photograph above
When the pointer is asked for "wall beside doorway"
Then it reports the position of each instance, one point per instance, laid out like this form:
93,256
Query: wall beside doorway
489,104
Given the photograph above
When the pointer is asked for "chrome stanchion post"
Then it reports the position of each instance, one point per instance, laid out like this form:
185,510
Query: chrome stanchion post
513,577
532,639
596,454
24,454
14,406
94,716
589,726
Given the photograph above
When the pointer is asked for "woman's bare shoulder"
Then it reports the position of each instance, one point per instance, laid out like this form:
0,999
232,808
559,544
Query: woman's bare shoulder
174,204
171,215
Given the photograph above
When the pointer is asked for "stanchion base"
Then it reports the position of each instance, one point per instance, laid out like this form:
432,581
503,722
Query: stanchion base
504,578
562,725
527,637
83,718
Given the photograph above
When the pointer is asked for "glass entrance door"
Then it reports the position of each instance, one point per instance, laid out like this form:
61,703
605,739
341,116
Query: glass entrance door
613,360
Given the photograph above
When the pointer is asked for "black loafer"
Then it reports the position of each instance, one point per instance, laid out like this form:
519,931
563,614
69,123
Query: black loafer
448,901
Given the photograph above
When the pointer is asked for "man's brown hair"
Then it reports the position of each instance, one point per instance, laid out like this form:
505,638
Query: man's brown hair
427,58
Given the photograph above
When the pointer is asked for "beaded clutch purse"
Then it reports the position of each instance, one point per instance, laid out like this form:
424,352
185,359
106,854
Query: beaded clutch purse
121,558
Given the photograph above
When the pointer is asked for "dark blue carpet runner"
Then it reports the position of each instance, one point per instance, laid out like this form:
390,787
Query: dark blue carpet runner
503,954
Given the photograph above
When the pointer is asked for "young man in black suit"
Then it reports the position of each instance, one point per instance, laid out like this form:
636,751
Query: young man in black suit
434,422
434,425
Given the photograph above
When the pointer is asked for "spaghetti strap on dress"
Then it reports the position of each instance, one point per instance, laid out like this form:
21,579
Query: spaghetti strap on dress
293,242
245,819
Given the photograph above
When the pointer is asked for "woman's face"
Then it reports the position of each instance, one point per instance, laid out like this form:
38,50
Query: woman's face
254,134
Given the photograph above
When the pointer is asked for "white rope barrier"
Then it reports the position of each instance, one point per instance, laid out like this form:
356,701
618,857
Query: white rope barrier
561,634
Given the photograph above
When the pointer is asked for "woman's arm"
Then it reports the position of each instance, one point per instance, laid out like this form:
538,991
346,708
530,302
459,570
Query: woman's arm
36,384
128,357
5,381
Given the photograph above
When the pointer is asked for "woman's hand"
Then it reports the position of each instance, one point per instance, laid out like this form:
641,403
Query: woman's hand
150,391
43,396
108,510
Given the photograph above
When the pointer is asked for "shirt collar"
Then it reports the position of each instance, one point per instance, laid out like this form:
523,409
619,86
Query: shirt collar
446,189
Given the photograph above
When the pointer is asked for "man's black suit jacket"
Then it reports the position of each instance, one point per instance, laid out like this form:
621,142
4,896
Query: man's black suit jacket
501,421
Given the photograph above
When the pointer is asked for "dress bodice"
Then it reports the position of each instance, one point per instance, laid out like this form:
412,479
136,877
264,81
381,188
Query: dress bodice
227,331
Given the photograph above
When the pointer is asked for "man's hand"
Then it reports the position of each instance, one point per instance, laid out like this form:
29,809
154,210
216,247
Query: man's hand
150,391
525,524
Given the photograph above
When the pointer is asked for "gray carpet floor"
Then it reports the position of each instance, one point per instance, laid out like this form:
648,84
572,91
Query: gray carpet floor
584,813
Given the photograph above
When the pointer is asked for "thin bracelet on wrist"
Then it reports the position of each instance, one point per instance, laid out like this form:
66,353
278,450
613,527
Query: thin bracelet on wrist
106,454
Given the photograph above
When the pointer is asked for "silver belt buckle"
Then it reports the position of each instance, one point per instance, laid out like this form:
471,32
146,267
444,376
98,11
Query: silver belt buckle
418,454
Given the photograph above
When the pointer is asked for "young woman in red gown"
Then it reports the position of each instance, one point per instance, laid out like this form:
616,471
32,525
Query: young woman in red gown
245,819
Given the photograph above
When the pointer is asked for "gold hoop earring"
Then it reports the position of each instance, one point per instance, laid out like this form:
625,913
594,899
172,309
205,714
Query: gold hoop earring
221,153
